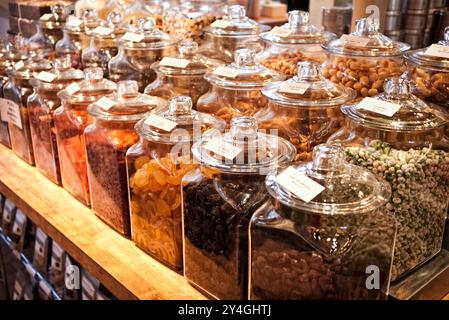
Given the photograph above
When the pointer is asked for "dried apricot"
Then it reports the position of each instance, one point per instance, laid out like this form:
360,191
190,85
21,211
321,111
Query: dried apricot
140,162
162,208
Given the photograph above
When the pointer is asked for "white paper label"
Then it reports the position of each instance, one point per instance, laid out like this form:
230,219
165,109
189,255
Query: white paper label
29,268
13,114
105,103
4,109
222,148
293,87
378,106
46,76
103,31
174,62
46,16
226,72
437,50
281,32
74,21
134,37
72,88
222,24
354,40
299,184
160,123
19,65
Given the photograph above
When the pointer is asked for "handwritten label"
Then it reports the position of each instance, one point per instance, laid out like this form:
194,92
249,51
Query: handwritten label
74,87
46,16
46,76
437,50
354,40
161,123
281,32
222,148
12,113
4,110
73,21
133,37
226,72
299,184
174,62
221,24
103,31
105,103
19,65
378,106
294,87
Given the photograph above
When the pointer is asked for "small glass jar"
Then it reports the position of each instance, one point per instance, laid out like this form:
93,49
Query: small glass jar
188,20
364,59
39,44
237,91
305,109
233,32
52,24
42,105
294,42
184,76
219,199
327,247
120,69
67,47
156,165
430,74
71,119
80,29
411,151
107,141
17,90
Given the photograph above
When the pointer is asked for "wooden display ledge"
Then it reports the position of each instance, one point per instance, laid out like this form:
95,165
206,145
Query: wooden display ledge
124,269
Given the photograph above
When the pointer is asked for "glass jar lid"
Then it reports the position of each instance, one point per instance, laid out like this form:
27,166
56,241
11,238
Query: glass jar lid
187,62
127,104
346,188
178,123
366,41
114,28
298,30
424,57
244,149
61,75
39,43
235,24
88,22
55,19
29,68
309,88
93,87
151,36
412,113
244,73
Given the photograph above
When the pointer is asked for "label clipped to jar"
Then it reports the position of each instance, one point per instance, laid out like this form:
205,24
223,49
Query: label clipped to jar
133,37
174,62
221,24
226,72
384,108
294,87
103,31
19,65
281,32
46,16
74,22
159,122
10,112
437,50
46,76
299,184
105,103
222,148
354,40
74,87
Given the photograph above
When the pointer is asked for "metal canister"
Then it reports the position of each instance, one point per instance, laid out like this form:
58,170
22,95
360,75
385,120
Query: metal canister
437,4
414,38
432,17
393,20
396,35
418,4
415,20
395,5
336,16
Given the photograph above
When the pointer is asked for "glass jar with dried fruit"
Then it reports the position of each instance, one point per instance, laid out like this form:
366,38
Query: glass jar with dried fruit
182,74
16,91
295,41
237,88
39,44
71,119
107,141
67,47
404,140
364,59
156,166
219,199
305,109
42,105
323,233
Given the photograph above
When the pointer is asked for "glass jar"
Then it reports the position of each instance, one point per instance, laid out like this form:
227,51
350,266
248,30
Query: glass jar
364,59
156,165
430,72
295,41
219,199
67,47
110,6
305,109
52,24
410,150
136,11
71,119
17,90
107,141
183,75
120,69
39,44
42,105
237,89
153,46
188,19
324,248
80,29
234,31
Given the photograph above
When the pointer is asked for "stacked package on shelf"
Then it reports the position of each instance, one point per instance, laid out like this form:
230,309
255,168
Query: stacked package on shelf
394,20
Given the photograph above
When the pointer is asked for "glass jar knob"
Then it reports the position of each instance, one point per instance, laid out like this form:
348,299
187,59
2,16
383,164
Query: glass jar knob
243,128
445,42
89,16
62,63
114,18
309,71
91,74
236,12
128,88
397,87
244,57
329,158
188,48
146,24
298,18
179,106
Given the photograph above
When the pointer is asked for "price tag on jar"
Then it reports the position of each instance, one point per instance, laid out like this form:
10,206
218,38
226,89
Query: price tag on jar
437,50
378,106
226,72
299,184
281,32
72,88
221,24
222,148
161,123
12,113
105,103
74,21
103,31
19,65
354,40
294,87
3,110
174,62
46,76
46,16
133,37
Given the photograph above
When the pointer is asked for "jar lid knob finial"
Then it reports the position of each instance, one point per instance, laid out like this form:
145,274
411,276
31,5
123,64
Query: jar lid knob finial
244,57
309,70
243,127
236,12
127,88
181,105
328,157
93,73
188,48
297,17
397,86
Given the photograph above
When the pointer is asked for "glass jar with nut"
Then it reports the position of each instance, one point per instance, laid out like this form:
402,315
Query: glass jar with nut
156,166
237,88
219,200
364,59
305,109
295,41
428,68
322,244
403,140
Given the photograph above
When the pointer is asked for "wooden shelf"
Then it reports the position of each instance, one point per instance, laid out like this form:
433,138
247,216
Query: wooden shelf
124,269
